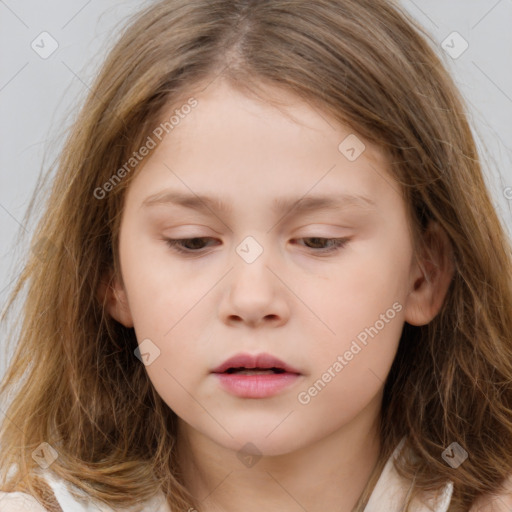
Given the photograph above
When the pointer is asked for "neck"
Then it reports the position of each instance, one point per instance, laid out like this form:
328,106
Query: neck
328,474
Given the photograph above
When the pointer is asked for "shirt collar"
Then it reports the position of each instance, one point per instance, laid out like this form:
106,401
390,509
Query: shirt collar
391,491
389,494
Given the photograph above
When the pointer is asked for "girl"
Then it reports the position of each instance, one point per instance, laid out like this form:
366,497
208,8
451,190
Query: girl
269,276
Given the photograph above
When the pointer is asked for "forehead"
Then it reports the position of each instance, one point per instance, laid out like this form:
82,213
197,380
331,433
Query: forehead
259,109
276,147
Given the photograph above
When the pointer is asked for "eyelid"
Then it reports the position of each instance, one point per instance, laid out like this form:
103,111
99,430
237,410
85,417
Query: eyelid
339,243
173,243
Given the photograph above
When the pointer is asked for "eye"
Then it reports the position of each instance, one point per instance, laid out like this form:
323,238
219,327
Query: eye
195,245
334,244
183,244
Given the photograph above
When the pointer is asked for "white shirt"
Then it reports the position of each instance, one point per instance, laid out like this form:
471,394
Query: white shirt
388,495
391,490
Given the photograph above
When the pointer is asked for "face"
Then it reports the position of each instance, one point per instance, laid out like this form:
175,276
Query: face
323,285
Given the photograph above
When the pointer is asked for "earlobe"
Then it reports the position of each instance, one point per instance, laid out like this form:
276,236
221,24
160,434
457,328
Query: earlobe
430,277
112,296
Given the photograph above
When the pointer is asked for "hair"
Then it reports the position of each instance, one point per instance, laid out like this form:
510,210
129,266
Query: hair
73,380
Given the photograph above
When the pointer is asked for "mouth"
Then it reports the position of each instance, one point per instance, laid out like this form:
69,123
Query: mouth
255,371
259,376
259,364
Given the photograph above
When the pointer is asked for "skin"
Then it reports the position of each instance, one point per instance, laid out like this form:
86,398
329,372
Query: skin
292,302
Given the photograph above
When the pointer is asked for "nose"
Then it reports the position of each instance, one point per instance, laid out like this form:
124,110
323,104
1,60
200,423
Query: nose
254,295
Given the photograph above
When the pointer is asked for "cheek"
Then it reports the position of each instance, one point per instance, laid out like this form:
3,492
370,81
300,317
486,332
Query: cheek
350,367
166,309
361,306
159,292
369,279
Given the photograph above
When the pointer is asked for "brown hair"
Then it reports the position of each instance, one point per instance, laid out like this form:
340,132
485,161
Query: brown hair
74,381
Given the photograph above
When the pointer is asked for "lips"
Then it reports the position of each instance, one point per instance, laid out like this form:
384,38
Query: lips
247,364
256,376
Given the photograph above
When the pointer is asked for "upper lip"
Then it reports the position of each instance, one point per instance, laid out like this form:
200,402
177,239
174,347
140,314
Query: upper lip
263,361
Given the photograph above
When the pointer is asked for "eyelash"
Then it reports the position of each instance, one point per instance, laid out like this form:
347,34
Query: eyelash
174,244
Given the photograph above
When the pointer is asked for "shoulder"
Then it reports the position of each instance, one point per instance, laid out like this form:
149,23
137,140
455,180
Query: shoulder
19,502
501,502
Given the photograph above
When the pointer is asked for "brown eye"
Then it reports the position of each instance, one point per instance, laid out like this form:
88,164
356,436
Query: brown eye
187,245
333,244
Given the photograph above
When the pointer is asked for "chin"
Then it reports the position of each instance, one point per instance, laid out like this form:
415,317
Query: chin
260,444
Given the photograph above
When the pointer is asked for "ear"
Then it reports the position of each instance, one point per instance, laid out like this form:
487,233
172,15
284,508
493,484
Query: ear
112,296
431,275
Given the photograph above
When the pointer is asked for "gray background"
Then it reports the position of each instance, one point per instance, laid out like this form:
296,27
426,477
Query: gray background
39,97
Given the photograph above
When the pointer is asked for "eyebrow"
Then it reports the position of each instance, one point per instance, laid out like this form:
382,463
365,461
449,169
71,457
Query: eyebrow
204,203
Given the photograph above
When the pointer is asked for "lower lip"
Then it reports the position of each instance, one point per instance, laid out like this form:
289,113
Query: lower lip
256,386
